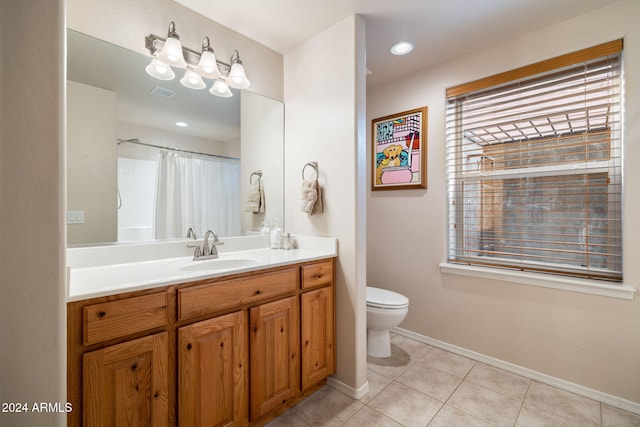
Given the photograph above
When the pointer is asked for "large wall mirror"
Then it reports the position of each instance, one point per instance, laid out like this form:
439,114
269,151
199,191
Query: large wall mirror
147,159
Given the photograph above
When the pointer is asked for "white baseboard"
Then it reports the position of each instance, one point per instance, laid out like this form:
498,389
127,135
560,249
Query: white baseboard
354,393
609,399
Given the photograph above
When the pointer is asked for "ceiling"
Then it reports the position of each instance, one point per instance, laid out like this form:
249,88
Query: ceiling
441,29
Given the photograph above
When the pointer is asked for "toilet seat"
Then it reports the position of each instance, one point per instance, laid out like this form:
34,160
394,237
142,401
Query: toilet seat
383,298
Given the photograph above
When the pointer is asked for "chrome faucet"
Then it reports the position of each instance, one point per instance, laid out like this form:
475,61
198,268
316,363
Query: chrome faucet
191,233
208,251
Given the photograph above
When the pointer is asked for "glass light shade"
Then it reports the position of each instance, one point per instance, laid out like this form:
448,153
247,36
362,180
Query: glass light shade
237,77
207,66
220,88
192,80
159,70
171,53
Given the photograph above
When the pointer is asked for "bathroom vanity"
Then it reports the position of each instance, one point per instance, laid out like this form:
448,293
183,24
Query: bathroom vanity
236,347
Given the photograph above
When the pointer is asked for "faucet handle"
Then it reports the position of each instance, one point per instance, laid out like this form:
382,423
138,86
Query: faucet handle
197,253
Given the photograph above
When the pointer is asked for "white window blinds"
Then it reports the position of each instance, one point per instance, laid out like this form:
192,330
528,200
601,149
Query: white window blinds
535,169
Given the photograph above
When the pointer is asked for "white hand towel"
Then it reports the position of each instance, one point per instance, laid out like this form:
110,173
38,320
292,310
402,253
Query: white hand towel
311,196
255,198
317,206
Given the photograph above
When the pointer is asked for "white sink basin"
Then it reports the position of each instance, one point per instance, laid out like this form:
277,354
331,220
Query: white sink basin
219,264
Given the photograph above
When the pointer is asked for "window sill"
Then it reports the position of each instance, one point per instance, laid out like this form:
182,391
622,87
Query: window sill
587,286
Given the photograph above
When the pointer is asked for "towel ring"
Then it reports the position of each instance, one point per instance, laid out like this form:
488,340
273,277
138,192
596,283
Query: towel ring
314,165
259,173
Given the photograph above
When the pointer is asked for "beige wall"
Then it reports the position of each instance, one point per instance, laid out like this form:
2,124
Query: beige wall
32,206
91,163
324,119
262,148
589,340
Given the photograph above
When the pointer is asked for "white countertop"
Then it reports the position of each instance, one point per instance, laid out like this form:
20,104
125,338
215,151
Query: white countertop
110,273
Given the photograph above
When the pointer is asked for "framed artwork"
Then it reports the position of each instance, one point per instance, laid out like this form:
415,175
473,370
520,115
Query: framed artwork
400,150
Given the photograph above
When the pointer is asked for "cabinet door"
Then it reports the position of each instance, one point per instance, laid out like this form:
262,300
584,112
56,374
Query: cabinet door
318,332
274,341
126,384
212,379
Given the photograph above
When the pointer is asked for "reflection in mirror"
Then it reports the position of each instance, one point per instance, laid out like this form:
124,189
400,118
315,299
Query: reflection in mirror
133,174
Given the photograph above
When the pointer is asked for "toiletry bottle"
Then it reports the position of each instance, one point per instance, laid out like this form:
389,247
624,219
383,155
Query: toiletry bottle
287,241
276,235
265,229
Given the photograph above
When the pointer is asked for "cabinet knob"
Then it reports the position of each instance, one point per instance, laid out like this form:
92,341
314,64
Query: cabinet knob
189,346
101,314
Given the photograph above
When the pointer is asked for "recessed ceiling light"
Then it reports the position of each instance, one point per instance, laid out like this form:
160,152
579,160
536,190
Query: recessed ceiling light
182,124
402,47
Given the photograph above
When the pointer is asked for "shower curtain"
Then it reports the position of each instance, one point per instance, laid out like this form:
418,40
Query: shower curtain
202,192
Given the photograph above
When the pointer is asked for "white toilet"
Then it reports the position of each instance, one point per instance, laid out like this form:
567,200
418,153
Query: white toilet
385,310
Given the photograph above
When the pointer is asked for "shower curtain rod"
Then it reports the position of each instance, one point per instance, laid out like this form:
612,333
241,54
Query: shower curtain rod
137,141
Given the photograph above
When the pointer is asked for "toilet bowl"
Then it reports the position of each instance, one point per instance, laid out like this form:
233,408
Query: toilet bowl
385,310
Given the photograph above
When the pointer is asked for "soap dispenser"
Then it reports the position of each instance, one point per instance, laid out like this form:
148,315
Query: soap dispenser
265,229
276,235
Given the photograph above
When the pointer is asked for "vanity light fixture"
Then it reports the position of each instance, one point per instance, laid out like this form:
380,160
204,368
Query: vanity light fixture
166,54
171,52
402,47
220,88
237,78
192,80
160,70
208,66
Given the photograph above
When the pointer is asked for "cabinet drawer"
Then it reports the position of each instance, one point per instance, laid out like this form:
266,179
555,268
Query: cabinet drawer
117,319
209,298
317,274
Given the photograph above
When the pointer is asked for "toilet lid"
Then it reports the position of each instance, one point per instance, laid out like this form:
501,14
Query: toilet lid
384,298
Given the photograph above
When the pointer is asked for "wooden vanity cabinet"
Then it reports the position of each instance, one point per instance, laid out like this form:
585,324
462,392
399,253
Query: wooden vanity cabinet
212,371
127,384
274,348
230,351
317,336
317,322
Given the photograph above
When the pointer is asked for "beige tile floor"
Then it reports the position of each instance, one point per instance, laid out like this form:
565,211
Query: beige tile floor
421,385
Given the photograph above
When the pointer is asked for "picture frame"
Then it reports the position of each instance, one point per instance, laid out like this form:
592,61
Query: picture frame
399,143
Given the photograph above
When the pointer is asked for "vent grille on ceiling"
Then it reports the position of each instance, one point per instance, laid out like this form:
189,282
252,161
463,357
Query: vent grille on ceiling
160,91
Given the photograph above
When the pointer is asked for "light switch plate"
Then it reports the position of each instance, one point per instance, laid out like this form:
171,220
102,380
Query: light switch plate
75,217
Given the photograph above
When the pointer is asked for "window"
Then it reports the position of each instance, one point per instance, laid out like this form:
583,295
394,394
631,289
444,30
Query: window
534,160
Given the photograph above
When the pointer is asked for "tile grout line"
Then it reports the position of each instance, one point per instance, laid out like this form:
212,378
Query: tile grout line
524,399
